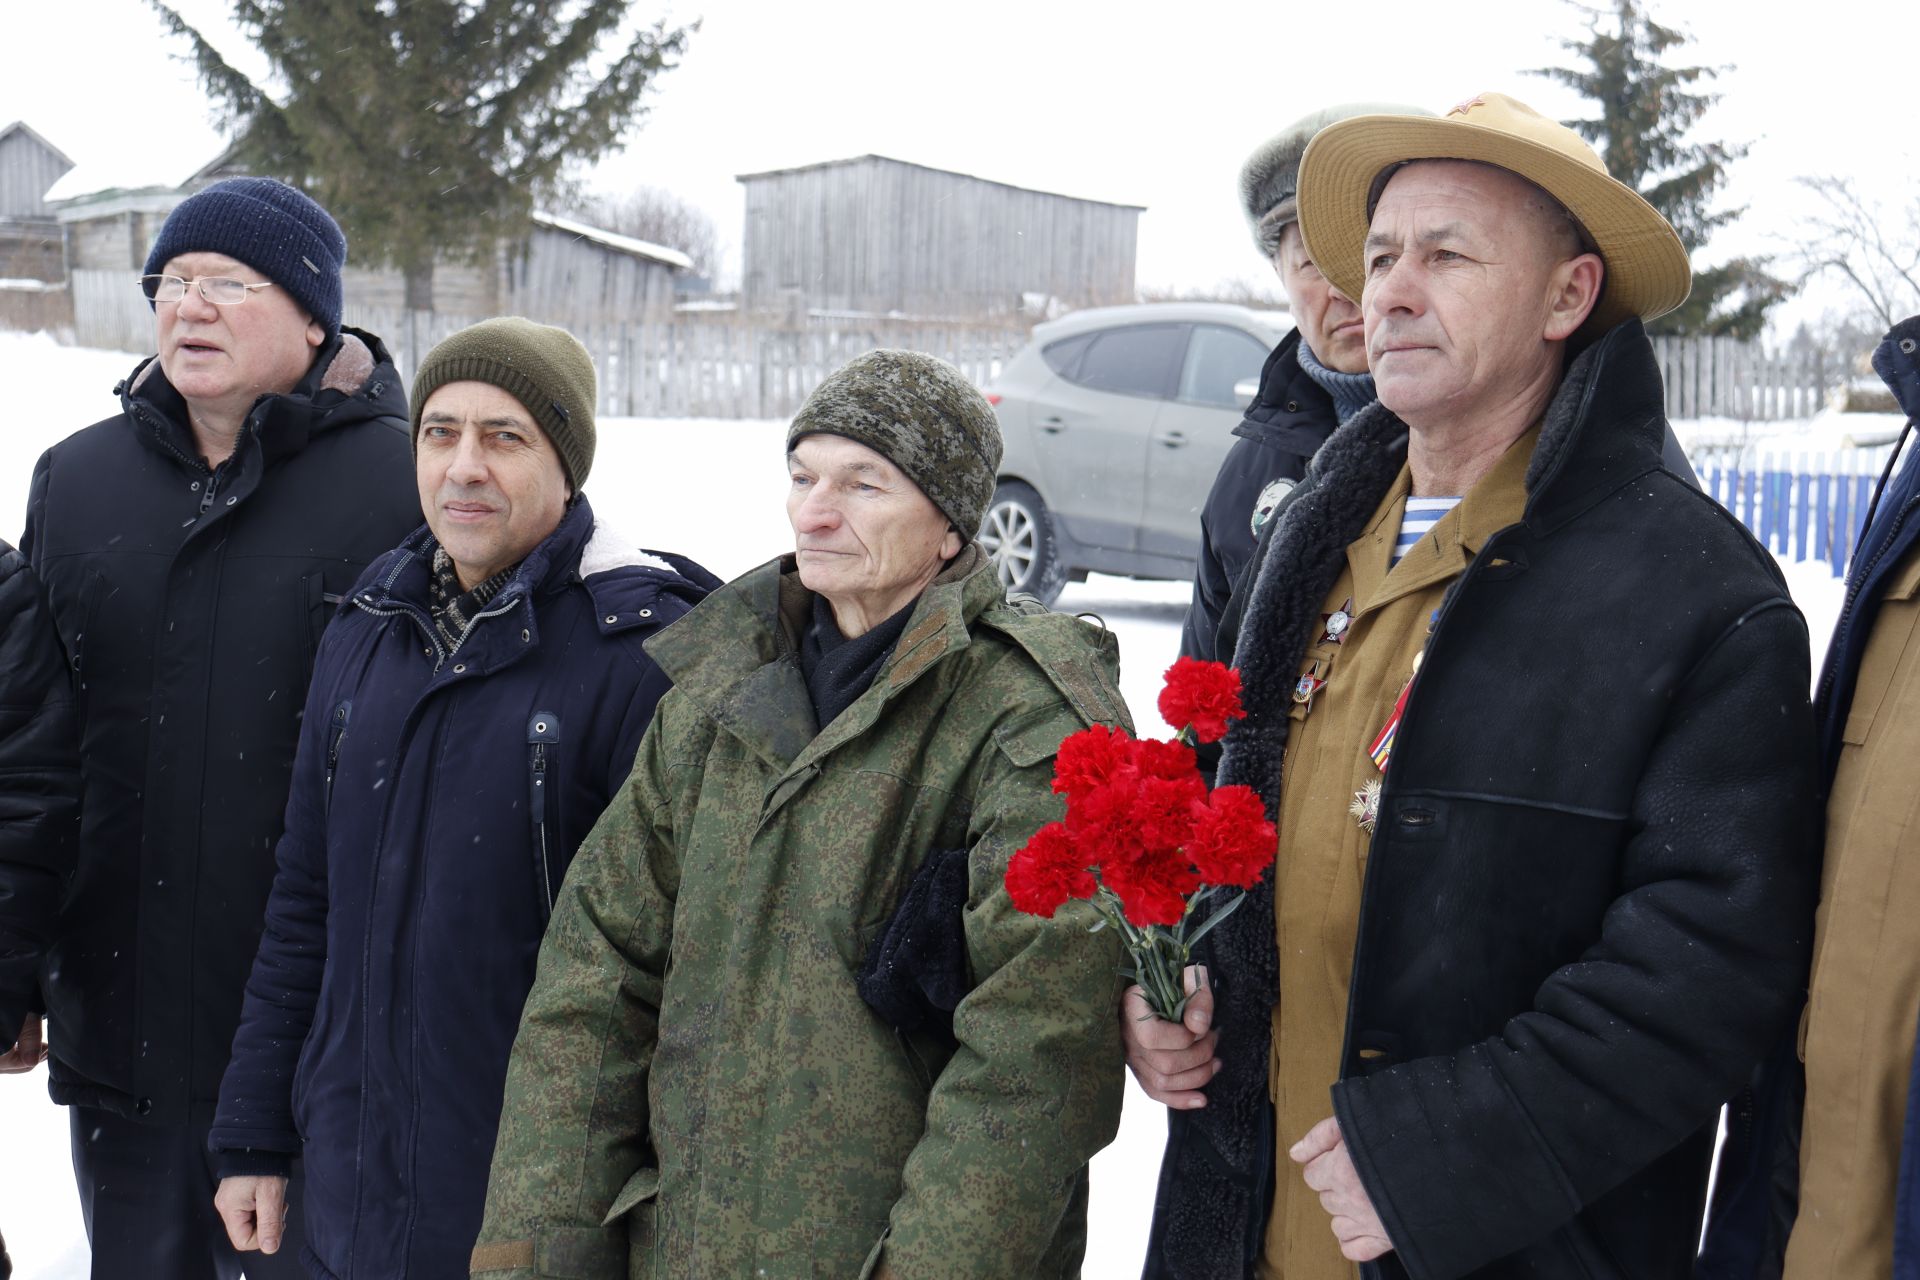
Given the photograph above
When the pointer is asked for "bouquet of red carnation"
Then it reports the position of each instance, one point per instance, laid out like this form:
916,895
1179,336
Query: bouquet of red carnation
1145,839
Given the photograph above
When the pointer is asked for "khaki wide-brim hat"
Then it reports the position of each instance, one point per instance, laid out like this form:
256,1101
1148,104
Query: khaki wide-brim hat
1647,270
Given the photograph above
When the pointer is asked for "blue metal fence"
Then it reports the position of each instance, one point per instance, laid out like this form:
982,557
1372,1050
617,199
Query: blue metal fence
1804,508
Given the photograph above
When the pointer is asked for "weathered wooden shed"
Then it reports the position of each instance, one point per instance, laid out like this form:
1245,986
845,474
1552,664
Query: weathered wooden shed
562,272
875,235
30,245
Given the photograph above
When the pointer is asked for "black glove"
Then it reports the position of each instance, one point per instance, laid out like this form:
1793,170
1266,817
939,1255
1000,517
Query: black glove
916,972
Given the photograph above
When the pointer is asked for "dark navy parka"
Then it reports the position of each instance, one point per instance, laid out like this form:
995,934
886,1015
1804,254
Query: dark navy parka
437,799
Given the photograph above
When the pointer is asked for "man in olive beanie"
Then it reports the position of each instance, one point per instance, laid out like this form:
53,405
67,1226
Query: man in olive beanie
544,368
475,704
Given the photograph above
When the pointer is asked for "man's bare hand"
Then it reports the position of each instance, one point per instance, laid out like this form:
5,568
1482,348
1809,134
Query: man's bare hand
1329,1170
254,1210
29,1051
1173,1061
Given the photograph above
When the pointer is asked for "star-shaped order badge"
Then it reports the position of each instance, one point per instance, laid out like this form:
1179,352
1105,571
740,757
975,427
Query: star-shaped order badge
1335,625
1366,806
1310,683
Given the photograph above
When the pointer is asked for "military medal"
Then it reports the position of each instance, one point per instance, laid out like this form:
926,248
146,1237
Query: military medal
1310,684
1366,805
1366,802
1338,623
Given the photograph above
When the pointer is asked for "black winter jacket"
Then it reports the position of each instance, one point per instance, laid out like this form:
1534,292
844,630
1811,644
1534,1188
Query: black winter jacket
1588,908
190,603
437,801
39,787
1286,424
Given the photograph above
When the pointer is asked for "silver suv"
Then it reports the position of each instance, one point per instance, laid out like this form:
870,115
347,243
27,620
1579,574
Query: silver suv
1116,421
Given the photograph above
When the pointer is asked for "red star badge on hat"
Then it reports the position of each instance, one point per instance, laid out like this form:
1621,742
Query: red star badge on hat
1468,105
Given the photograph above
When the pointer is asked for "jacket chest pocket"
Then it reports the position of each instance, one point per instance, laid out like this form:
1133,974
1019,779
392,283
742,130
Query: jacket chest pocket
315,603
543,807
1892,658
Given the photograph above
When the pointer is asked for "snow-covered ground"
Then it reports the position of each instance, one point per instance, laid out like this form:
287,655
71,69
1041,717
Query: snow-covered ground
710,489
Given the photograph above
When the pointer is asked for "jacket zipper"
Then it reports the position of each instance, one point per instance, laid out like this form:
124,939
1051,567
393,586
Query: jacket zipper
543,736
336,735
439,655
474,621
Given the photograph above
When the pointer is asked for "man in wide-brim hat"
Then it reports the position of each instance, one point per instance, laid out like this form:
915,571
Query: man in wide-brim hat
1545,703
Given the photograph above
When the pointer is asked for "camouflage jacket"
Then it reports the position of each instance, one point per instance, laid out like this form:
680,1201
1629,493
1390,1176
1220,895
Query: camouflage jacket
697,1089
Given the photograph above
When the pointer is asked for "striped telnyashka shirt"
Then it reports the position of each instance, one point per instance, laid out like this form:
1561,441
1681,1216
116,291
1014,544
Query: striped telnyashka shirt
1421,515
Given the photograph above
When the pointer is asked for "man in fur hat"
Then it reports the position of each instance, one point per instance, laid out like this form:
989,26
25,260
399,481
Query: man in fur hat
1314,380
1530,714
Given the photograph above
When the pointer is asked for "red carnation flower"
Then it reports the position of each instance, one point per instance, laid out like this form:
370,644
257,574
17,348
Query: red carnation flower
1203,696
1232,841
1047,871
1102,825
1163,810
1174,761
1091,758
1153,887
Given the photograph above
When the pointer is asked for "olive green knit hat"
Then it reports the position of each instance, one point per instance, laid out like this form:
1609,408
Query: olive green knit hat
922,415
544,368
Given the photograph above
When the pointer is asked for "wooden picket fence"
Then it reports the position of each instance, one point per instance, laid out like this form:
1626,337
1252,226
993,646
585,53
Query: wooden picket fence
719,364
1728,378
735,364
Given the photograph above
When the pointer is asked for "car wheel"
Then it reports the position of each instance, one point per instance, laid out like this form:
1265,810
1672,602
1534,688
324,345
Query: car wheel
1018,535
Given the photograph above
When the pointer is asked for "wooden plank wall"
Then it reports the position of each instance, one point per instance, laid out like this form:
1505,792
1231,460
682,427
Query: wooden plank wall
879,236
27,169
109,311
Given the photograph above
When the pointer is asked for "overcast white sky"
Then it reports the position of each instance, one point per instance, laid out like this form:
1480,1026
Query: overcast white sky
1147,104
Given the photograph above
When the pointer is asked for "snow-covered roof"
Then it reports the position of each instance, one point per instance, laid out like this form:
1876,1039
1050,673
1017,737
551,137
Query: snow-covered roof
624,244
125,174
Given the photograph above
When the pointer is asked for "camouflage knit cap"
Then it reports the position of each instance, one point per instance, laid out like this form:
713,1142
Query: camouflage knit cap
922,415
544,368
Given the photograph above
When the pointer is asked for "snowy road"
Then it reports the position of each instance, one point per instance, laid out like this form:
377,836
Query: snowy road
709,489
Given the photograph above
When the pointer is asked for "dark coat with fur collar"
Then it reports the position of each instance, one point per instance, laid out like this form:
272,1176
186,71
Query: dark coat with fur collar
190,602
1588,908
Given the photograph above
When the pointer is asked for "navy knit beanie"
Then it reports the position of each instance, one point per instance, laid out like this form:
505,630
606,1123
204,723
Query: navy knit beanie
272,228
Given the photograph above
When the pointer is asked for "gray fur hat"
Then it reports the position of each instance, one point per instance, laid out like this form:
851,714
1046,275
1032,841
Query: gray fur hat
922,415
1270,179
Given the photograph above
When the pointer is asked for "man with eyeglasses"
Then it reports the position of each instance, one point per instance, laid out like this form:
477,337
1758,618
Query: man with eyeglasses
194,545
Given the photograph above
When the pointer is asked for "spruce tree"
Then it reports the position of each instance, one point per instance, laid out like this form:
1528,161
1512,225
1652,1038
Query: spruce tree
1645,112
431,126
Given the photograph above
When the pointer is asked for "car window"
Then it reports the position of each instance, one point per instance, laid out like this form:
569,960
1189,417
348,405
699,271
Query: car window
1136,361
1217,358
1063,357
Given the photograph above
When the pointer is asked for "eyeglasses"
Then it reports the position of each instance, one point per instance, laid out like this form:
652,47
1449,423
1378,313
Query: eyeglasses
221,291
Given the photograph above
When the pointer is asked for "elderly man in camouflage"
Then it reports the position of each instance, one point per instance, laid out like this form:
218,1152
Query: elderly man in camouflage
786,1021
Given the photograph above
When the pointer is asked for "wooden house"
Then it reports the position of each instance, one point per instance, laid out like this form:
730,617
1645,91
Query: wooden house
561,272
32,253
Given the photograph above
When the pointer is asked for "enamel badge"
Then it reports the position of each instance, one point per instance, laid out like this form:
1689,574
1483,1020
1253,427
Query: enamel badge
1338,623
